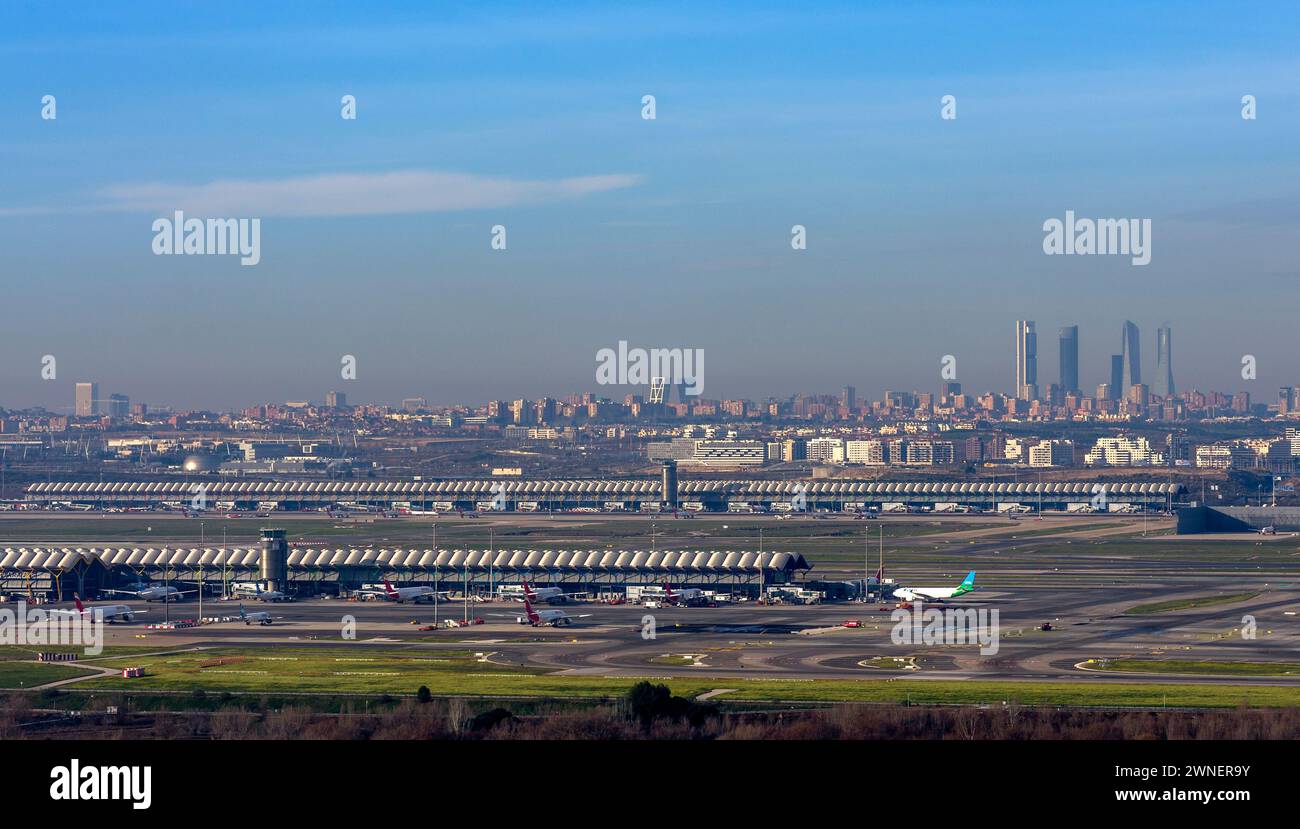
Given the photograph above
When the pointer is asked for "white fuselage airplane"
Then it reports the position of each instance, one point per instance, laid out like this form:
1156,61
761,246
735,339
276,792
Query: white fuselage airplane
545,618
263,595
155,593
111,612
909,594
261,617
422,593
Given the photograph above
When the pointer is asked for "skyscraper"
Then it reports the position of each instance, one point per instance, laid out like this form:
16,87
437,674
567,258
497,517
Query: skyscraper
1164,383
1116,376
87,399
1026,360
1286,400
1132,355
1070,359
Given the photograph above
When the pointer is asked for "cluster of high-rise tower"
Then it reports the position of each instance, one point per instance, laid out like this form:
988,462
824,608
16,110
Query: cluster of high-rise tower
1125,368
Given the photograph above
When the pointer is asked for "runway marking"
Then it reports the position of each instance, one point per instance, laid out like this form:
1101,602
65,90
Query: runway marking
364,673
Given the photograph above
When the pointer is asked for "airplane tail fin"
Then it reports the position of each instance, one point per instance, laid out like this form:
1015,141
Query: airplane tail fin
241,610
969,581
77,599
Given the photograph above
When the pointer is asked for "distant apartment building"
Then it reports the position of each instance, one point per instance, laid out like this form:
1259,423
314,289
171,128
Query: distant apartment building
1214,456
1139,395
1233,455
1286,400
1052,453
826,450
794,449
119,406
521,412
924,453
729,453
1123,451
868,452
87,402
1013,449
336,400
1270,453
703,452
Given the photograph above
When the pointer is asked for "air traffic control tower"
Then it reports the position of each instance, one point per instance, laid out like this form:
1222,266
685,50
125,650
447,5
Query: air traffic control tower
275,559
668,499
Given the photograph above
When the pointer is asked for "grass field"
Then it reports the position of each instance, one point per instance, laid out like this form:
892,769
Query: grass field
336,671
1187,604
1191,666
15,674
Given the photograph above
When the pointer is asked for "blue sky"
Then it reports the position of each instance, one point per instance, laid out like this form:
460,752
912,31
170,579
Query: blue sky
924,234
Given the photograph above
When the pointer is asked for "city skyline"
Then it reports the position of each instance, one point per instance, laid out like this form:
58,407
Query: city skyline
88,400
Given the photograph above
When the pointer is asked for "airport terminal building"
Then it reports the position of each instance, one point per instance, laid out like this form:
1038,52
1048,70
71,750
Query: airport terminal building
317,569
612,495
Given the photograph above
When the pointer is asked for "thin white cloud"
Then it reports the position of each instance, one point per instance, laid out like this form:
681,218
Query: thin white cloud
354,194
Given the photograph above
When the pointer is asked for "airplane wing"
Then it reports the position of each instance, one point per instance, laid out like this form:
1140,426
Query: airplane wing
123,592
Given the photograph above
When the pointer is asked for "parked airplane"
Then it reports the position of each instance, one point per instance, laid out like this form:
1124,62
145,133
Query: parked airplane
112,612
422,593
908,594
550,595
544,618
666,595
261,616
155,593
263,595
